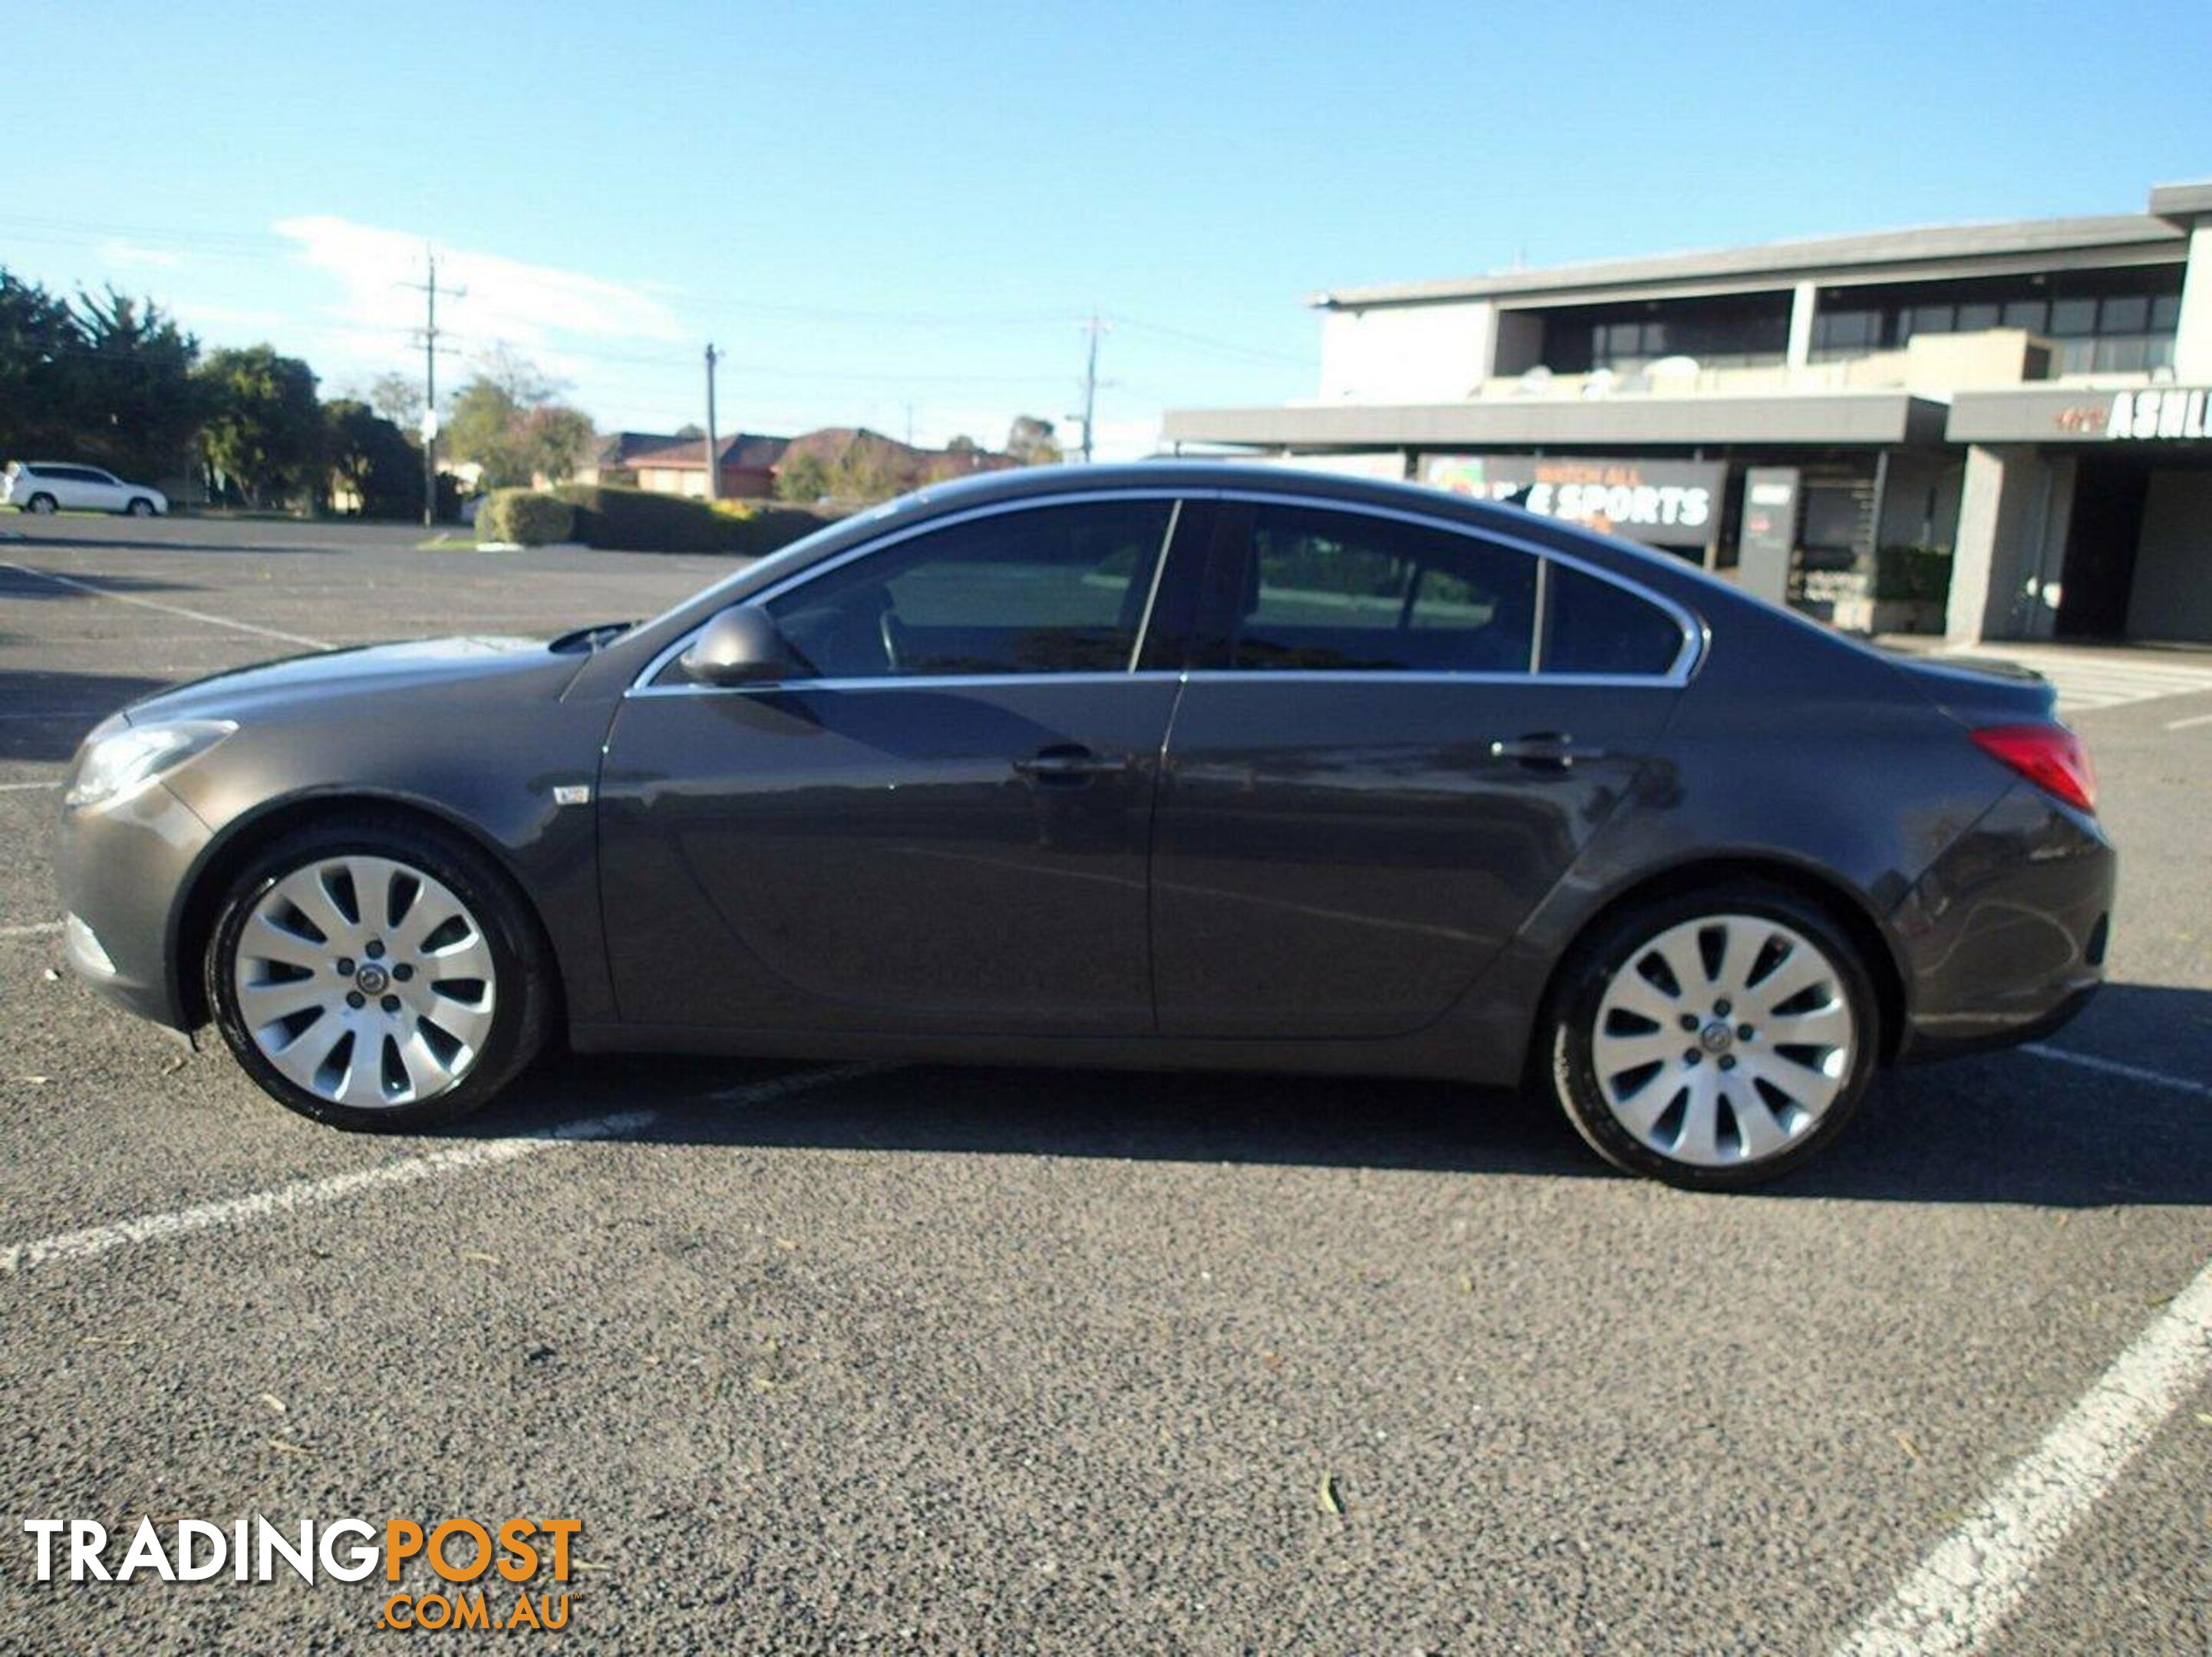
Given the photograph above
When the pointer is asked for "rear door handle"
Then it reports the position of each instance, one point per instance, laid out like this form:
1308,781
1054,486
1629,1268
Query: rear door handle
1545,749
1069,765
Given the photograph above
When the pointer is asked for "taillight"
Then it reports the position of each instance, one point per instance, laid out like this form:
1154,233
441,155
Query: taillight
2049,756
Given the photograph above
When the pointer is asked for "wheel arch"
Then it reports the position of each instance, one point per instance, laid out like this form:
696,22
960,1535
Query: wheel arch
1833,897
192,922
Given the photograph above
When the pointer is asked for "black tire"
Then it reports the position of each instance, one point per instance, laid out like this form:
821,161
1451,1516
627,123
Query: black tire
523,1009
1564,1066
45,505
140,506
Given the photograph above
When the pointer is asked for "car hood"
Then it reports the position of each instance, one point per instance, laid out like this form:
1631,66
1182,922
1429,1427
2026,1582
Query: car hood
362,671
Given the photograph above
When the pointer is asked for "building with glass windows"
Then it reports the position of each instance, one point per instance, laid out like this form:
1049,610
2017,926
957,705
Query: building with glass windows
1843,422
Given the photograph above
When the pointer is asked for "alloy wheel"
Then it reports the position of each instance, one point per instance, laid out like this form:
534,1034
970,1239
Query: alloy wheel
1724,1040
366,982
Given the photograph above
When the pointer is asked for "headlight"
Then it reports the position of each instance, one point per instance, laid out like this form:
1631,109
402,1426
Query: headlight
118,765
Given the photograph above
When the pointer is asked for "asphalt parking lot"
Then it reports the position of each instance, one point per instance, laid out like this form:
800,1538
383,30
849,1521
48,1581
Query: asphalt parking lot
965,1360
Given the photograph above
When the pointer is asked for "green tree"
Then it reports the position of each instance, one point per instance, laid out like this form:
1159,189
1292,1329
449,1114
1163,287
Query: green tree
398,399
482,431
371,459
104,378
38,337
555,440
1034,442
505,421
262,435
803,478
131,396
870,471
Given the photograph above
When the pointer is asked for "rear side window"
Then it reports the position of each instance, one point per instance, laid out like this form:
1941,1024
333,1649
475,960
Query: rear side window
1344,592
1596,626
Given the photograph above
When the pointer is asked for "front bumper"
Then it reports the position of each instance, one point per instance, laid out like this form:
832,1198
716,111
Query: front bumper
124,869
2004,939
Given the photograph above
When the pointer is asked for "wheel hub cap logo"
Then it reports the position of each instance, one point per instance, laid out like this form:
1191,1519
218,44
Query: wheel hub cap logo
372,979
1716,1037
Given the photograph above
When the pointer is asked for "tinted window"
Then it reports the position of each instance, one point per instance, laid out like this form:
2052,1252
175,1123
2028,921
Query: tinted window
1341,590
1594,626
1041,590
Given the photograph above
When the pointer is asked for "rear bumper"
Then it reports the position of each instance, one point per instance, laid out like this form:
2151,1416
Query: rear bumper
2004,939
122,868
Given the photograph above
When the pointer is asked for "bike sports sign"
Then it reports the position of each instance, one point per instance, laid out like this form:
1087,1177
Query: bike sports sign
1670,503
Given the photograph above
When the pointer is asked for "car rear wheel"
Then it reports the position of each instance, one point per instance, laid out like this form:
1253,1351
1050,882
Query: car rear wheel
1714,1039
377,975
41,504
140,506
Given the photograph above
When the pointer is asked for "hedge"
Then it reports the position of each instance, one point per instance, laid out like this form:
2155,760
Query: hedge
1912,573
639,521
524,517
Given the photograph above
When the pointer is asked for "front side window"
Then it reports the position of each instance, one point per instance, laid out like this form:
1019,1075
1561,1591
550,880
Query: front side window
1342,591
1055,589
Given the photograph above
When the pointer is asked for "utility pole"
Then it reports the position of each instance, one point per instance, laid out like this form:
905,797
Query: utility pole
714,446
1094,326
429,288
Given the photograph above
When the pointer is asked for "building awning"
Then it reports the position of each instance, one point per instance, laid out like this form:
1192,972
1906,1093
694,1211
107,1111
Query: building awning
1871,418
2167,414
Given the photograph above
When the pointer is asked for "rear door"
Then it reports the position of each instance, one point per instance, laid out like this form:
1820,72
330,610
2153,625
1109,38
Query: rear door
1371,780
943,824
71,490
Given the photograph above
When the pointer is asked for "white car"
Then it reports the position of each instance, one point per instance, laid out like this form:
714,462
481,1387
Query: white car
45,486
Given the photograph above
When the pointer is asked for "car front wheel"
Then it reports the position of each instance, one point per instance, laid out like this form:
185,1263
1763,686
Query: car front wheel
41,504
140,507
377,975
1715,1039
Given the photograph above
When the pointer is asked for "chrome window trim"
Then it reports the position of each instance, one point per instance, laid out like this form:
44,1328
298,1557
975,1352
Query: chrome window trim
1417,675
1152,591
1542,618
1695,634
643,685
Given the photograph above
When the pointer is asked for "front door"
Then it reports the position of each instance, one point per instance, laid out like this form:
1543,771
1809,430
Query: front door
1370,785
943,824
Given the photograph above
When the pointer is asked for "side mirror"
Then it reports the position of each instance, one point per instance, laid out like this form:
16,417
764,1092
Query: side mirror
741,646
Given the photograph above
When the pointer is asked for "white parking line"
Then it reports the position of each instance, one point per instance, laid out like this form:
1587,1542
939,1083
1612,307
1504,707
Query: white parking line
36,929
2190,723
2156,1079
21,787
172,609
315,1193
1979,1573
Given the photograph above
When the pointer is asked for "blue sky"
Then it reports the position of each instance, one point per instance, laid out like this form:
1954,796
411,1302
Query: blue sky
873,207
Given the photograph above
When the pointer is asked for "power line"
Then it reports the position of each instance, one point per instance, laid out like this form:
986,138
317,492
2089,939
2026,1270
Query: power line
1187,337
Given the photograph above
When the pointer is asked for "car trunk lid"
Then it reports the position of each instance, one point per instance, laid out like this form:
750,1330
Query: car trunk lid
1980,691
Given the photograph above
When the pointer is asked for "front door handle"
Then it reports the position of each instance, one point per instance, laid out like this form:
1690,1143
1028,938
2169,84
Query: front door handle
1069,765
1544,750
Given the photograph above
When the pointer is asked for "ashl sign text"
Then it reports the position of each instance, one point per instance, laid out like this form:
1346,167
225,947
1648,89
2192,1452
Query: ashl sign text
2164,413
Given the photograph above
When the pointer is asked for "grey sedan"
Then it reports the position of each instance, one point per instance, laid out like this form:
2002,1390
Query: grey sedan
1180,765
